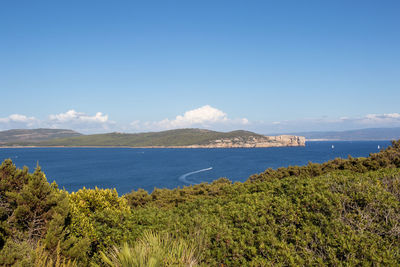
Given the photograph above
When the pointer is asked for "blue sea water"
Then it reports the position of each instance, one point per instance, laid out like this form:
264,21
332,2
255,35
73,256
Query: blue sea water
128,169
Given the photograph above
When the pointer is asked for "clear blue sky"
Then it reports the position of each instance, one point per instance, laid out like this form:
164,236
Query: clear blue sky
306,63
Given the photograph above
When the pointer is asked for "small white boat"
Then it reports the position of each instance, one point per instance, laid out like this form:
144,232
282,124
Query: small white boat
379,147
333,146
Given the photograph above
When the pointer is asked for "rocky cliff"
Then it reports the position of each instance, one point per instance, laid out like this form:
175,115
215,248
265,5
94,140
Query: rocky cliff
254,141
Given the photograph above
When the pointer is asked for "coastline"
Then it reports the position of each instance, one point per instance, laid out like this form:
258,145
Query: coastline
190,146
182,138
201,146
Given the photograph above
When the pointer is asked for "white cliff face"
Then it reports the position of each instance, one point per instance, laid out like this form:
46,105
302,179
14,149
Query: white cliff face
289,140
255,141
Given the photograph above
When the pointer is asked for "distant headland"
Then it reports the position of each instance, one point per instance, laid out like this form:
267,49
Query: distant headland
179,138
368,134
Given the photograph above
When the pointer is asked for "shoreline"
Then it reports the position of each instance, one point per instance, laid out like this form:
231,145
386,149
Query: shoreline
196,146
186,147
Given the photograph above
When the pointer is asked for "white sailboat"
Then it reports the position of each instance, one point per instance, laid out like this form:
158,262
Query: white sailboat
333,146
379,147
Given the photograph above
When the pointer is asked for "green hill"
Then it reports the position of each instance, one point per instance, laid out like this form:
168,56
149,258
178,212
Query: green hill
179,137
30,136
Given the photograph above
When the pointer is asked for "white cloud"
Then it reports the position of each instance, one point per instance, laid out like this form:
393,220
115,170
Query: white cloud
78,117
135,123
80,121
329,124
69,120
18,121
379,118
393,115
205,116
200,116
18,118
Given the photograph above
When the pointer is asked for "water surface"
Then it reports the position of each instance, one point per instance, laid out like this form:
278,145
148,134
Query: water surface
132,168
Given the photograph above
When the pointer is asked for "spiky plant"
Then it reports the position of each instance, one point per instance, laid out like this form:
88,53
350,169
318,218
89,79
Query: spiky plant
42,258
152,250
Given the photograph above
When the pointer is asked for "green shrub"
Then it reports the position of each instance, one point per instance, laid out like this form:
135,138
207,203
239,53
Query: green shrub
342,212
152,250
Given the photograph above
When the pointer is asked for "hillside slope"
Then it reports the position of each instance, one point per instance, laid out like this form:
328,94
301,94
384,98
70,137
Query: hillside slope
178,138
34,135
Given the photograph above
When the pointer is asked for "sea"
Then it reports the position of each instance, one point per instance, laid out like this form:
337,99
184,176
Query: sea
128,169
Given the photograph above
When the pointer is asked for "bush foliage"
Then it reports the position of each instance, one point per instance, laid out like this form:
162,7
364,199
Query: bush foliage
342,212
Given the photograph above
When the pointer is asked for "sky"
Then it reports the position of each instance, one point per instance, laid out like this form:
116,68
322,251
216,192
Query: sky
136,66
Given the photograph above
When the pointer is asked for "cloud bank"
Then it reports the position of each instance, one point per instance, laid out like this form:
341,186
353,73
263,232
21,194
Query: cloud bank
331,124
80,121
382,118
18,121
73,116
203,117
71,119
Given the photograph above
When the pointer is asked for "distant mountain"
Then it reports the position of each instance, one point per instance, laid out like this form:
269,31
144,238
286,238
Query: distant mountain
353,135
194,138
25,136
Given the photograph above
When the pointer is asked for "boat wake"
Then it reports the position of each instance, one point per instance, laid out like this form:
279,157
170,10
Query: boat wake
182,178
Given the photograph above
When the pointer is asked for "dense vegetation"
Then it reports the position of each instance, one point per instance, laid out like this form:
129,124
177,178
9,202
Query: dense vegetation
180,137
342,212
